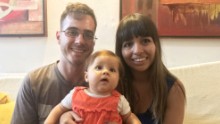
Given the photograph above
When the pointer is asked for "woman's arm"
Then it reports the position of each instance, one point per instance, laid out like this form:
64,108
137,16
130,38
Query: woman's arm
55,114
174,113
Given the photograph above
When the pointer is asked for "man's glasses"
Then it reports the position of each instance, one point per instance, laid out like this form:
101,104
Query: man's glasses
74,32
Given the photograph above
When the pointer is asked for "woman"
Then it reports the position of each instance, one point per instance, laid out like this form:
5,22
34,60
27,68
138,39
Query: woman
155,95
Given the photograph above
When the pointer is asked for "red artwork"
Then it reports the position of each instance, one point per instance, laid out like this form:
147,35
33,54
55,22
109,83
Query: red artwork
180,17
22,18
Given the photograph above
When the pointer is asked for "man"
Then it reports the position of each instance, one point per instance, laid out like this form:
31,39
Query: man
45,87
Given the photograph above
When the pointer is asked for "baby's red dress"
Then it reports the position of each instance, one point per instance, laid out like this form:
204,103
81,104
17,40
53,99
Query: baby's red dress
96,110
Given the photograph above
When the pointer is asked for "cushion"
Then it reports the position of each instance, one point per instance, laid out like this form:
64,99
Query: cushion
6,108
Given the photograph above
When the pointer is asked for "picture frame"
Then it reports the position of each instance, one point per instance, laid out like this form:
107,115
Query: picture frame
23,18
174,18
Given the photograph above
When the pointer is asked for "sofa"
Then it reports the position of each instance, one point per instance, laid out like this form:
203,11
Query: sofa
9,86
202,85
201,81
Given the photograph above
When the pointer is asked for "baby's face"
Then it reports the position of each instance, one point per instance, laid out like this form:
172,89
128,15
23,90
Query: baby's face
103,75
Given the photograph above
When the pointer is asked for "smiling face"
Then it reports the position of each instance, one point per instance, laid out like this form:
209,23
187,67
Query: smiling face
138,44
76,50
139,53
103,74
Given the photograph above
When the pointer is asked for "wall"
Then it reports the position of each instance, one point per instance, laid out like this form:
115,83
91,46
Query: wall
21,54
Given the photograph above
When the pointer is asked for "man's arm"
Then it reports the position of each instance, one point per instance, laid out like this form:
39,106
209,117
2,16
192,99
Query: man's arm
55,114
25,111
70,117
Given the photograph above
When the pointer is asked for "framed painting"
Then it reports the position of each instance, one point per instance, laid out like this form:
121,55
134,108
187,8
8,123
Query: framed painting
179,18
22,18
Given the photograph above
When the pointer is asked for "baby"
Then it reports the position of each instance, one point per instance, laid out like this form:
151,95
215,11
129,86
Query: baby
99,103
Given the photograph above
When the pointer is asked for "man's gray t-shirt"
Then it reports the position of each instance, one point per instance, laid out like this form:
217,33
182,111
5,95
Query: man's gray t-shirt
42,89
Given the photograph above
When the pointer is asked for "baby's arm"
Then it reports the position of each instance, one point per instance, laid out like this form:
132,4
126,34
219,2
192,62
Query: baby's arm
124,109
130,118
55,114
58,110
